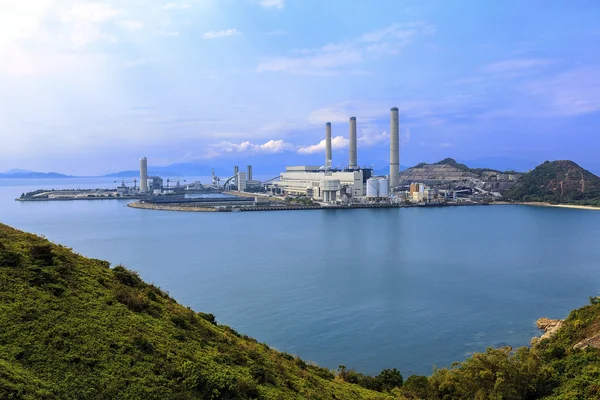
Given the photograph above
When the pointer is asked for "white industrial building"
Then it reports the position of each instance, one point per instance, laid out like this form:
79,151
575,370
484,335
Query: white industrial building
331,185
318,183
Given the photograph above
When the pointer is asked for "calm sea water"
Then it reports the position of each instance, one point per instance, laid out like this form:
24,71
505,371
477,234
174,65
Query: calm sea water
371,289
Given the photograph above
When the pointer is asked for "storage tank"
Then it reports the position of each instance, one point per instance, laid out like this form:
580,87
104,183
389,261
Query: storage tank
372,187
384,187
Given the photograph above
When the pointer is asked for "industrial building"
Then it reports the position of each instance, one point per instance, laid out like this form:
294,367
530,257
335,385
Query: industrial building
349,184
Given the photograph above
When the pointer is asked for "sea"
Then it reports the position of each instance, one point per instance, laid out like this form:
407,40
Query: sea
410,288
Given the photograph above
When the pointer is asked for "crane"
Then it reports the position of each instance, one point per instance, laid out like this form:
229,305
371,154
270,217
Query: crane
123,182
169,180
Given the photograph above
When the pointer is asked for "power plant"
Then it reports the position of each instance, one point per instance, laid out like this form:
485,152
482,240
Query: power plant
303,186
351,184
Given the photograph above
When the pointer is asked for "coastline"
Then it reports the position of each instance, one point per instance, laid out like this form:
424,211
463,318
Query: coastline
165,207
573,206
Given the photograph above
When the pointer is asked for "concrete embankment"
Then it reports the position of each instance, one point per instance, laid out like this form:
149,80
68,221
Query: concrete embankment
170,207
194,207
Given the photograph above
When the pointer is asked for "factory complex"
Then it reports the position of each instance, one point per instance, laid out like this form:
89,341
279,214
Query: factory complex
353,184
307,186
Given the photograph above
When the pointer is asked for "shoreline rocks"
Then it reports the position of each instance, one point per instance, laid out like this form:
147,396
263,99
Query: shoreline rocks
549,326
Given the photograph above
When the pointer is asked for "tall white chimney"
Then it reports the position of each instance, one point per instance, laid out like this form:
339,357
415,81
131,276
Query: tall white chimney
328,145
143,174
394,149
353,163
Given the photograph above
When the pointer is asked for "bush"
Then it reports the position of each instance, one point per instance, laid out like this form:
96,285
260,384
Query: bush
136,302
416,387
127,277
42,254
389,379
208,317
9,258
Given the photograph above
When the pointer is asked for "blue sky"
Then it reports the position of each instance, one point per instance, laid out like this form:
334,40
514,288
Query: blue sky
88,87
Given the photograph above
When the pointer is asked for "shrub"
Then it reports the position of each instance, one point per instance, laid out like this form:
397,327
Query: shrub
389,379
134,301
208,317
42,254
416,387
9,258
127,277
143,344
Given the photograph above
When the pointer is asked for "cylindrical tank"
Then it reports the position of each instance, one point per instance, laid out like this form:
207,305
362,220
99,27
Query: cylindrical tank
384,187
372,187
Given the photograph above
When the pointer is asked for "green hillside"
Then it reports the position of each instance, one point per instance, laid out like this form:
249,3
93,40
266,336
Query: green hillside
559,182
73,328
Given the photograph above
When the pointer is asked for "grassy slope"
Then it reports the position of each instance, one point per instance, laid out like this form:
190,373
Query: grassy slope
71,327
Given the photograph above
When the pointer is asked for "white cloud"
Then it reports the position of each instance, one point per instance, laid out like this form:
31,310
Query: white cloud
335,58
135,63
446,145
177,6
131,25
221,34
85,22
338,142
39,37
370,138
571,93
272,3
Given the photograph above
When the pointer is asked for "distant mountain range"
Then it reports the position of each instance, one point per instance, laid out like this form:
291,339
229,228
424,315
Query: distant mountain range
174,170
25,174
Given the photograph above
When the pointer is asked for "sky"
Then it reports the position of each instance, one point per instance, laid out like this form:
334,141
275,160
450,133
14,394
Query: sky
89,87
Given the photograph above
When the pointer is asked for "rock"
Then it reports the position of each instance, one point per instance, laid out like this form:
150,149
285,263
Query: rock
549,326
594,342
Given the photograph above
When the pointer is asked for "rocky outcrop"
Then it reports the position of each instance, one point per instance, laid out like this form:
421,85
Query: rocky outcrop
449,174
549,326
594,342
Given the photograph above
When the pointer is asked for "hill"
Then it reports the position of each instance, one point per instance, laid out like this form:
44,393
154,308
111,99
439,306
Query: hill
74,328
24,174
450,174
562,182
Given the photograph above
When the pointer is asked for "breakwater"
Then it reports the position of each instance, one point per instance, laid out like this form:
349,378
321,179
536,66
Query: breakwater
196,207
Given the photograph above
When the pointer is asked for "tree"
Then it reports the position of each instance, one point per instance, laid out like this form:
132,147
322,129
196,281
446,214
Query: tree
390,378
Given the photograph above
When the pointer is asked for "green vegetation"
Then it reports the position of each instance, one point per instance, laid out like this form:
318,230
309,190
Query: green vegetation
558,182
73,328
300,200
